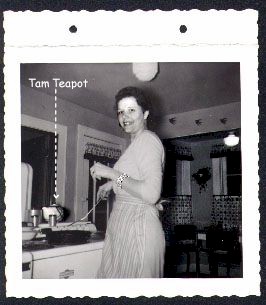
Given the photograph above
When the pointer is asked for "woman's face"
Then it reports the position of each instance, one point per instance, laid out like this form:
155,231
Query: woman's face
130,116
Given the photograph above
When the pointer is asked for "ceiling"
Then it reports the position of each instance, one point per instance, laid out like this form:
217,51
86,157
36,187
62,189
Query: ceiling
178,87
207,136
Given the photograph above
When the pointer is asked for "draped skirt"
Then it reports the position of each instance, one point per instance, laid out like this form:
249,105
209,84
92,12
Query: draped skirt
134,243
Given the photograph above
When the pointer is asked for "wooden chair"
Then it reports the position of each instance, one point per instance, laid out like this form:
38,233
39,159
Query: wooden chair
223,247
186,242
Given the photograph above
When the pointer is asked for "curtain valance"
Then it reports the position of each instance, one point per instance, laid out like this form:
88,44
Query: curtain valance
221,150
181,152
93,149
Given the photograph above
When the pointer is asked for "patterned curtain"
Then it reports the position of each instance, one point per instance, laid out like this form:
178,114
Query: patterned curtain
178,151
221,150
182,152
227,211
183,177
219,174
177,210
101,152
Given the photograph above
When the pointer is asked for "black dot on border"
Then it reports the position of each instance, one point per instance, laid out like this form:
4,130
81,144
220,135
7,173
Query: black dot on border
183,29
73,29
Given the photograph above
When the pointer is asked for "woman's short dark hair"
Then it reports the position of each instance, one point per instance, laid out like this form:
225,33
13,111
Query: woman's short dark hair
134,92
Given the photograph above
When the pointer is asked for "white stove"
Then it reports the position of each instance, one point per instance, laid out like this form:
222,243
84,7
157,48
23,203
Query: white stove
79,261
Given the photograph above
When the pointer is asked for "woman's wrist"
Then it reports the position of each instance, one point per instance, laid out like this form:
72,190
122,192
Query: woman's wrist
116,175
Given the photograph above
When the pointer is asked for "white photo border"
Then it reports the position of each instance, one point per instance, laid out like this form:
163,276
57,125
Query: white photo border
245,53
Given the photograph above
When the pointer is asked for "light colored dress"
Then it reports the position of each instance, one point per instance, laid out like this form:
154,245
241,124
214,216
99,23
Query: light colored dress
134,243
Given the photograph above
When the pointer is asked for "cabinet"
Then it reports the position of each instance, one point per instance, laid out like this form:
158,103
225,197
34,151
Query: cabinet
73,262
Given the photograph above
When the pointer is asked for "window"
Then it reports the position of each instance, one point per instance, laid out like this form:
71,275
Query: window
234,177
227,175
169,188
177,178
38,150
33,128
101,212
94,146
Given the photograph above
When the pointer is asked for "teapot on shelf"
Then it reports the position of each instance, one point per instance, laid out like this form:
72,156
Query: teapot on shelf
54,209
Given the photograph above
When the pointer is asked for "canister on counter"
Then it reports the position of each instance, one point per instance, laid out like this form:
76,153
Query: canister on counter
52,220
36,216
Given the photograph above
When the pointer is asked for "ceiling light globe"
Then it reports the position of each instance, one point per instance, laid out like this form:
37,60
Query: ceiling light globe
231,140
145,71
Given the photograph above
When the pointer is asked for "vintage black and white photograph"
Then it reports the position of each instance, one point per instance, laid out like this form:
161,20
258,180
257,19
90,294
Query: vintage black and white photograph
134,154
131,170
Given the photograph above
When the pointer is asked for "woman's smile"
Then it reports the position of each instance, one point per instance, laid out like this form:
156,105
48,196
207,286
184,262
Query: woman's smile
127,123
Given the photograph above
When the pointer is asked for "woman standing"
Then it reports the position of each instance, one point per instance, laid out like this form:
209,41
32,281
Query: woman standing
134,243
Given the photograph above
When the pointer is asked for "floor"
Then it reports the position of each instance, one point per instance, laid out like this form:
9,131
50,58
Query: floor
175,267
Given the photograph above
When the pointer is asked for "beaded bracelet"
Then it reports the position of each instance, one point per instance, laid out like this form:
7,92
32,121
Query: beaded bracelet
120,179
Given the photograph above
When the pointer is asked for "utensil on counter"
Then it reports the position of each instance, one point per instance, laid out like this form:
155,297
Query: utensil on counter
98,201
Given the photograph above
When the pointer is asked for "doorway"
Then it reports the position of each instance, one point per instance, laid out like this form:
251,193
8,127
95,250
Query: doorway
38,150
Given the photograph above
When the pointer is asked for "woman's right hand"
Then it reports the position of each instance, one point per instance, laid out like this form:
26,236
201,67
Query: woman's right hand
104,190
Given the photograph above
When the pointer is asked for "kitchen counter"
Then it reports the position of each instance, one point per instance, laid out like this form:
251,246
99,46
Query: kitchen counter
63,261
60,250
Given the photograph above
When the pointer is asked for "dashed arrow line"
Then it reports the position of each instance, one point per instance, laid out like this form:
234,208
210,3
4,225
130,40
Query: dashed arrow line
55,143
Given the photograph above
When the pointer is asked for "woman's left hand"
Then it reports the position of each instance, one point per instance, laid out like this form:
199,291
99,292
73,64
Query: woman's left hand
99,171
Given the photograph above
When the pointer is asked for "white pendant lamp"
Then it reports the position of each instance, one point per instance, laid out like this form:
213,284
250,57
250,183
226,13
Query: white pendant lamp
145,71
231,139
